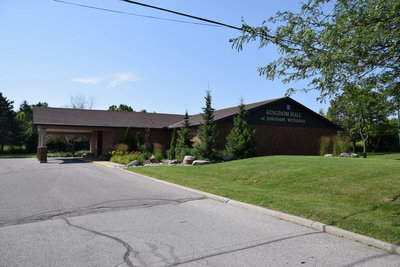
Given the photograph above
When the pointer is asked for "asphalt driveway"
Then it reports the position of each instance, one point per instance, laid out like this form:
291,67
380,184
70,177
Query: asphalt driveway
74,213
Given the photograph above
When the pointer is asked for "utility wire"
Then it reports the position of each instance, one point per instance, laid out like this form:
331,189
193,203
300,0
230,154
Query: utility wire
183,14
137,15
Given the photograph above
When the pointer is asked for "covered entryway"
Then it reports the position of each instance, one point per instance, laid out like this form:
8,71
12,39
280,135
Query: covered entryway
95,137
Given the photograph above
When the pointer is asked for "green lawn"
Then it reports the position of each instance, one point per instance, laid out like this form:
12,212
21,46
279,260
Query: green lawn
359,195
383,155
27,155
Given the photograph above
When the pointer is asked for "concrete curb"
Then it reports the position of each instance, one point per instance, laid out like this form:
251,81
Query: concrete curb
391,248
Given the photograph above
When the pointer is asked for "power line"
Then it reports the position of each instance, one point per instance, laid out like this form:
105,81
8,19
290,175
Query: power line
183,14
137,15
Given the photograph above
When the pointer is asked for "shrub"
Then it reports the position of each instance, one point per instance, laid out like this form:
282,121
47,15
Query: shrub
158,153
341,145
173,145
186,152
139,140
325,145
121,148
128,140
126,158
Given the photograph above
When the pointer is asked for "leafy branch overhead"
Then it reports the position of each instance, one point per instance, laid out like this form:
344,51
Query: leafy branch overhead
333,45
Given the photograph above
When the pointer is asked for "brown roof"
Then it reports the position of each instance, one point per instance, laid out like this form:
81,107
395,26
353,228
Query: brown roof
195,120
101,118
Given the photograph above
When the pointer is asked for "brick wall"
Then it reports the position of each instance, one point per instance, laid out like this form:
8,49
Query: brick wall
281,140
113,137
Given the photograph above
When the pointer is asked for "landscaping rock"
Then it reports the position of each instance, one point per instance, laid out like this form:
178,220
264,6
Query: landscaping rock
200,162
188,160
174,162
345,155
227,157
152,164
134,163
152,158
354,155
328,155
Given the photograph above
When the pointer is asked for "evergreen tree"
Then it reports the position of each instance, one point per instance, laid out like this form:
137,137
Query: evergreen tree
139,140
6,121
241,141
207,132
184,140
173,145
128,140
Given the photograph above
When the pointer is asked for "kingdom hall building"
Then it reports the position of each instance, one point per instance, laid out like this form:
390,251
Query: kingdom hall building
283,126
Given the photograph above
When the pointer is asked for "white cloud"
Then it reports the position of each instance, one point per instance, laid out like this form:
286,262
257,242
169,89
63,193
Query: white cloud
93,80
121,78
111,80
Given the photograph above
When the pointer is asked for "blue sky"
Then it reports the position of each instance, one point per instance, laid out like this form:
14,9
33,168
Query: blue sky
51,52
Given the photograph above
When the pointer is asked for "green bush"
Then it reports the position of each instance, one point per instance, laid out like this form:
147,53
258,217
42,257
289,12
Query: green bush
341,145
139,141
186,152
126,158
172,145
325,145
158,153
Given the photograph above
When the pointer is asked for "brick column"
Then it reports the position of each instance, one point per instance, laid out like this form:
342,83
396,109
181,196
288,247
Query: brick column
41,152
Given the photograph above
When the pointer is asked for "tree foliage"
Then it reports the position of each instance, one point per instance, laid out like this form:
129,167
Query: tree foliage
172,146
359,111
334,45
9,126
121,107
128,140
207,132
241,141
184,139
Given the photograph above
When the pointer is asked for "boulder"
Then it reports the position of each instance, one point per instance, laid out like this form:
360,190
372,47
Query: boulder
200,162
134,163
227,157
328,155
354,155
152,158
174,162
345,155
188,160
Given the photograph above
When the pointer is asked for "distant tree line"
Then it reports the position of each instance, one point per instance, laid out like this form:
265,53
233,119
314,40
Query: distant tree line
16,126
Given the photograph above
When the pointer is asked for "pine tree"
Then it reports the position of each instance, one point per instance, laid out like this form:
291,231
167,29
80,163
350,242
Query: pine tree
139,141
207,132
128,140
241,141
9,127
184,139
173,145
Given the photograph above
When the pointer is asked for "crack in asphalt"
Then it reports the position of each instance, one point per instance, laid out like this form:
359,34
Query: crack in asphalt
96,208
129,249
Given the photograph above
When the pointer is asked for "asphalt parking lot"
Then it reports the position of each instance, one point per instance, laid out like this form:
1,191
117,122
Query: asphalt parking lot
74,213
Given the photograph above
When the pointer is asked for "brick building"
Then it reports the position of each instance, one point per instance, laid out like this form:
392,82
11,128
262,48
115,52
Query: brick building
283,126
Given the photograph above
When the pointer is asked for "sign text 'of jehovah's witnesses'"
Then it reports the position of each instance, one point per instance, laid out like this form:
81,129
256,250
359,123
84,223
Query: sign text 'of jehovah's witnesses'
282,116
